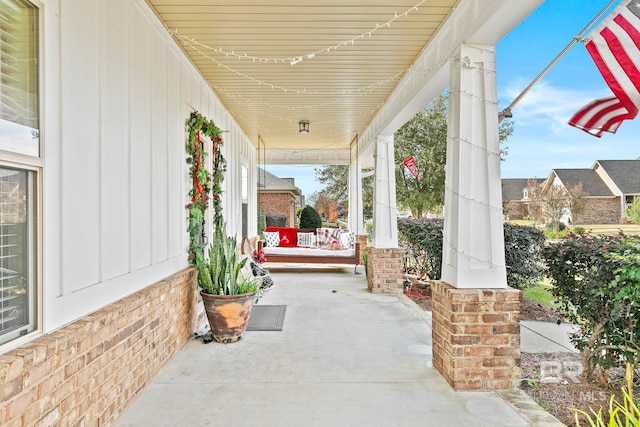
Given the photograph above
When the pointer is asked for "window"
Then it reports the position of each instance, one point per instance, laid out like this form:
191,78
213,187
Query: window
628,201
19,77
16,234
19,166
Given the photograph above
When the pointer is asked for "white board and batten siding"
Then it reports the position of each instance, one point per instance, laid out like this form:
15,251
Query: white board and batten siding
117,92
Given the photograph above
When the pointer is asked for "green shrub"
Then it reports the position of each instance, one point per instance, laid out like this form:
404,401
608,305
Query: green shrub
262,223
554,235
523,255
633,213
421,239
596,280
555,225
309,218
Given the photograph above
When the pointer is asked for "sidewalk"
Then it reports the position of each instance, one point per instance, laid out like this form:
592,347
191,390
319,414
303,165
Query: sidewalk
546,337
346,357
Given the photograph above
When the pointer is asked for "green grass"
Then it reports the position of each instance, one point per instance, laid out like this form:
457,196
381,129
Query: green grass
610,229
541,294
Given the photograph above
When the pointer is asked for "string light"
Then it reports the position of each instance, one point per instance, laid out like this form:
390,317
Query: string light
478,148
293,60
452,248
472,200
362,90
286,107
473,95
361,116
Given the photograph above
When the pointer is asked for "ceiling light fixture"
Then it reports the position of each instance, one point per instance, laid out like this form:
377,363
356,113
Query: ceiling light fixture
304,126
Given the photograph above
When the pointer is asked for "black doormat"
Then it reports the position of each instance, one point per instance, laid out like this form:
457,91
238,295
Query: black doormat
266,318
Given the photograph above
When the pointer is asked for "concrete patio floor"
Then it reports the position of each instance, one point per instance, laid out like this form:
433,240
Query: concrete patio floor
345,357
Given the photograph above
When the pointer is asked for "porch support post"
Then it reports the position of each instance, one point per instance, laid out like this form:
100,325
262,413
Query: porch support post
356,218
473,245
385,269
476,331
385,221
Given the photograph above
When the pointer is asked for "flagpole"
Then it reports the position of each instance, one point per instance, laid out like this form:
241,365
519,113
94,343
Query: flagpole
506,113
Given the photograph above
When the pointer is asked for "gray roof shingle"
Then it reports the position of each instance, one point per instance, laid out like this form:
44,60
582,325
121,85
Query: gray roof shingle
624,173
512,188
592,184
268,181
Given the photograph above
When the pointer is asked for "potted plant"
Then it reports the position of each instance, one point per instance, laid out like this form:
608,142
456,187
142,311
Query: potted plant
365,262
227,292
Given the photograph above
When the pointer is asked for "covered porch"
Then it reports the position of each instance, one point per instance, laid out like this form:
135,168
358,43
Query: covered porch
113,293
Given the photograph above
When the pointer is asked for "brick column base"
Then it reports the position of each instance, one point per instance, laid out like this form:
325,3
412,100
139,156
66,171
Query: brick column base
385,270
362,239
476,337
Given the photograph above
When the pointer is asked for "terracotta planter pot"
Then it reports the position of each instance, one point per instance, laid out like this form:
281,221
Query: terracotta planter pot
228,315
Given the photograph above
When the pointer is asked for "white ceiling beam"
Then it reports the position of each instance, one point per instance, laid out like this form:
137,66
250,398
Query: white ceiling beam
482,22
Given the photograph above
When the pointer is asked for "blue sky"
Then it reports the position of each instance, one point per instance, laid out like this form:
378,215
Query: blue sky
542,139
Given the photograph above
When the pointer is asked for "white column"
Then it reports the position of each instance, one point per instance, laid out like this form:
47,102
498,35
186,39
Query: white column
385,221
473,246
356,218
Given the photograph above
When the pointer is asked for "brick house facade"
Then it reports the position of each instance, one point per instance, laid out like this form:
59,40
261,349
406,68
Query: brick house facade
278,196
610,187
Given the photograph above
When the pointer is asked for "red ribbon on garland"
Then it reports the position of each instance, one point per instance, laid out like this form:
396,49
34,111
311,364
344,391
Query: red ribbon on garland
213,159
196,180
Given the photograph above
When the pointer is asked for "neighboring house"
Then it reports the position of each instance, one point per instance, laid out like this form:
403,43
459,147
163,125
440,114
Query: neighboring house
278,196
611,186
515,198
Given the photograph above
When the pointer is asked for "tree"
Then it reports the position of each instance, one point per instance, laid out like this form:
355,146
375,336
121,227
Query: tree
577,201
532,194
554,203
425,138
335,183
633,213
321,203
334,212
309,218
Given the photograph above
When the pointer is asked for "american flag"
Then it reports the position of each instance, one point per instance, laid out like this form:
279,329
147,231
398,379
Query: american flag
614,46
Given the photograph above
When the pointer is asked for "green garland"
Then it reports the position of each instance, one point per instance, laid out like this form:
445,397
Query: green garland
204,185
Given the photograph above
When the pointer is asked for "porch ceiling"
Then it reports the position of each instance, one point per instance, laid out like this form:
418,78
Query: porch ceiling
339,90
350,68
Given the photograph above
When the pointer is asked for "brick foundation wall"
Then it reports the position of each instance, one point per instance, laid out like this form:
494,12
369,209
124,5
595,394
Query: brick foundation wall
88,372
278,203
385,270
476,337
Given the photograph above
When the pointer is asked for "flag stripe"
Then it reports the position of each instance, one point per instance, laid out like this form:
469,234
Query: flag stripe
622,57
601,115
614,46
614,75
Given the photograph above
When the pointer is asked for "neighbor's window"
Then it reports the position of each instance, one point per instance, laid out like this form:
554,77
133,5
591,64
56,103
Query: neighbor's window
19,134
629,201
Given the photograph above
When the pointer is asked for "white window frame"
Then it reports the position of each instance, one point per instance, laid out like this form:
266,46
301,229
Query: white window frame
34,165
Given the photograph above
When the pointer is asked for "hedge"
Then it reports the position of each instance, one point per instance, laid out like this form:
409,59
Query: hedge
421,239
